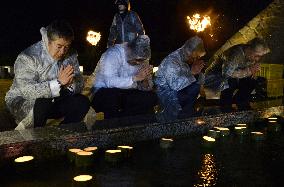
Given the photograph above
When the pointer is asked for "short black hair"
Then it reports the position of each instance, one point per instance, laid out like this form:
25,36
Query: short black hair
60,29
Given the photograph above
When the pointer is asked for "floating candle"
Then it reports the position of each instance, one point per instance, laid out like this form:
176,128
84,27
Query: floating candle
84,159
273,118
82,178
71,154
274,126
113,155
257,136
24,159
94,150
208,141
224,131
166,143
23,165
214,133
126,150
241,130
83,181
242,125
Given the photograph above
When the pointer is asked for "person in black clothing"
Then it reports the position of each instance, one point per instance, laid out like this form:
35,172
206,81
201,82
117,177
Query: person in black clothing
126,25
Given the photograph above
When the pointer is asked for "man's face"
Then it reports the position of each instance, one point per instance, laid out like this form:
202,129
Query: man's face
135,62
121,8
195,55
58,48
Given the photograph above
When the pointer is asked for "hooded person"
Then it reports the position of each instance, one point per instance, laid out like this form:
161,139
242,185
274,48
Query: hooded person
234,70
47,81
179,80
123,80
126,24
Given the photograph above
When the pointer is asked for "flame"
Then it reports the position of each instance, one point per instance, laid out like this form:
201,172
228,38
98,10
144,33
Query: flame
74,150
91,149
93,37
84,153
209,139
257,133
113,151
198,23
124,147
82,178
271,118
167,139
238,128
24,159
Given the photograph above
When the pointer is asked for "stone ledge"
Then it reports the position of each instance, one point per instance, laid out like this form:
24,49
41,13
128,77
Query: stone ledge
54,141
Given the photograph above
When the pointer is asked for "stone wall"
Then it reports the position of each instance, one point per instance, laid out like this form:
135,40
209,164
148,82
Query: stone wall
269,25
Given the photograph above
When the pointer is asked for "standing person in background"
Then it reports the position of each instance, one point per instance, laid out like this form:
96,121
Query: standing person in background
47,81
234,71
179,80
126,24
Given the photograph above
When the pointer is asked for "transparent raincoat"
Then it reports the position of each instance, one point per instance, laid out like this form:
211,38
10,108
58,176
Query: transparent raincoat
36,74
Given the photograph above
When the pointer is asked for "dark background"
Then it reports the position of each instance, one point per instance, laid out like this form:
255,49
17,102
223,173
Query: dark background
164,22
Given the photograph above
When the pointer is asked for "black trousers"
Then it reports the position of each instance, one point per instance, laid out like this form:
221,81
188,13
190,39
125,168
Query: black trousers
73,108
242,98
115,102
187,98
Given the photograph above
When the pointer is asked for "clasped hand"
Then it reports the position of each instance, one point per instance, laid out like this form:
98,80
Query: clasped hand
145,72
66,75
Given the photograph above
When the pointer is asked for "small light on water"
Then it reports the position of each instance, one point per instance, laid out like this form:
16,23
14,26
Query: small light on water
272,118
84,153
257,133
113,151
24,159
166,143
74,150
167,139
222,128
91,149
272,121
242,125
113,155
207,138
125,147
82,178
238,128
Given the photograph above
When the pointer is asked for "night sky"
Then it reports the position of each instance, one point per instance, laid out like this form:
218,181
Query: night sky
164,21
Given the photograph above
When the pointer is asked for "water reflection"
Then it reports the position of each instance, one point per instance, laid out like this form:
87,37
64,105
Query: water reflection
207,175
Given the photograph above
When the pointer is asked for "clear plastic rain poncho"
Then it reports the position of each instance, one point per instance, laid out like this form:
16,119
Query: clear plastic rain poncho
113,70
231,64
174,74
36,74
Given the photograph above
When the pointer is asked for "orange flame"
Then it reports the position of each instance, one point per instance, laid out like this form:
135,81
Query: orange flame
197,23
93,37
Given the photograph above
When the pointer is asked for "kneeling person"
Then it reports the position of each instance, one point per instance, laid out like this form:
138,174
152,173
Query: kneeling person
179,80
123,80
47,81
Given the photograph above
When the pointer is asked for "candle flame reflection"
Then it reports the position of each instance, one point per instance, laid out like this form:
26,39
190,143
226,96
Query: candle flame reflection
208,173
